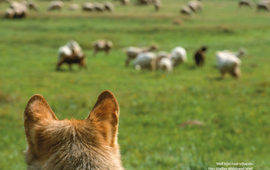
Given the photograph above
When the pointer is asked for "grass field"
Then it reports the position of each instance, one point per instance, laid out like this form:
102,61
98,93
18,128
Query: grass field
153,104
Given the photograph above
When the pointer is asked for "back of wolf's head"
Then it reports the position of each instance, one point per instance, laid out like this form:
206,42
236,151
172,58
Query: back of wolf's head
89,144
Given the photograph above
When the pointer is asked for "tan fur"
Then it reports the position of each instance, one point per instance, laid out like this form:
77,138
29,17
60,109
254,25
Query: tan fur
89,144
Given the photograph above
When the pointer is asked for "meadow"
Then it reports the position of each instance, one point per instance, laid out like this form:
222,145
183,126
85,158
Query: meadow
152,104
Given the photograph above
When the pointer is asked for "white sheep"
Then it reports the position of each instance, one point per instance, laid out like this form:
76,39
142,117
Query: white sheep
102,45
99,7
178,55
145,60
70,53
157,4
124,2
195,6
166,64
9,13
74,7
108,6
263,5
19,10
185,10
72,47
88,7
247,3
132,52
229,62
55,5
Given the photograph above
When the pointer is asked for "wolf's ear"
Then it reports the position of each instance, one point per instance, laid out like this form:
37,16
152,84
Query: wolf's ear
105,115
36,111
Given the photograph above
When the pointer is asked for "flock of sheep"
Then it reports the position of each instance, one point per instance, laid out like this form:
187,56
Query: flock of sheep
20,9
144,58
261,5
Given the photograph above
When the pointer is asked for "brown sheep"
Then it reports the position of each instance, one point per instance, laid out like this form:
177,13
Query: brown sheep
73,59
199,56
102,45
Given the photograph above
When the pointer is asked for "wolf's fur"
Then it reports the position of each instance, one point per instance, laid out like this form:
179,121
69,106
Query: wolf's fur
89,144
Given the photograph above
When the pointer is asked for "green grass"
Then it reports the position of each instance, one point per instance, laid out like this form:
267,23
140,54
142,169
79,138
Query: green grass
153,104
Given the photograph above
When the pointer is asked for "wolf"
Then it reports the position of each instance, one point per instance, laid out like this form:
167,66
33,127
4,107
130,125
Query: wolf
89,144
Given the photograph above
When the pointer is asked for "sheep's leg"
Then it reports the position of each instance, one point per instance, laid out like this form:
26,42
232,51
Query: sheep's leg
70,67
107,51
127,61
59,64
236,73
95,52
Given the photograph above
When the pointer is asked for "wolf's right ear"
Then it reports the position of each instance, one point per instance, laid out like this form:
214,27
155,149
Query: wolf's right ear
105,116
36,111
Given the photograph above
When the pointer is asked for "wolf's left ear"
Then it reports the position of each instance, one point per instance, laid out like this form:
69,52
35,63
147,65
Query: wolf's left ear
36,111
105,115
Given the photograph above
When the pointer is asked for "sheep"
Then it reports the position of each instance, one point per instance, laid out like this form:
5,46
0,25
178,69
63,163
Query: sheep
229,62
132,52
157,4
263,5
166,64
16,10
195,6
144,2
9,13
81,60
74,7
199,56
88,7
109,6
145,60
247,3
185,10
178,55
99,7
124,2
55,5
71,53
33,5
102,45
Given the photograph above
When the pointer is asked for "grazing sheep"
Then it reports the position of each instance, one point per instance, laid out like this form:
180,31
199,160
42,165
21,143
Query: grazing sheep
145,60
99,7
185,10
81,60
132,52
109,6
16,10
55,5
199,56
247,3
229,62
166,64
125,2
102,45
157,4
178,55
74,7
9,13
88,7
195,6
144,2
71,53
33,5
263,5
